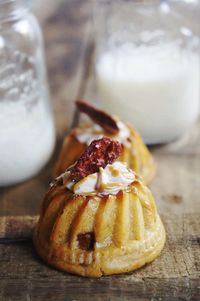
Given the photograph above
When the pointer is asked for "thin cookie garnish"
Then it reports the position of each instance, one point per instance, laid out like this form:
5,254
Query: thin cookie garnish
98,154
106,121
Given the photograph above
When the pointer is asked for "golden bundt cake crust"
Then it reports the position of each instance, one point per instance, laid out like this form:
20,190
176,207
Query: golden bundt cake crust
95,236
124,260
136,155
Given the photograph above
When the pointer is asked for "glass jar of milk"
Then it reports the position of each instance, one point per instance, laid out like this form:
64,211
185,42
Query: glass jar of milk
27,134
147,66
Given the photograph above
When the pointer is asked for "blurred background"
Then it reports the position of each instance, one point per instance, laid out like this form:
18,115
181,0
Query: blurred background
70,25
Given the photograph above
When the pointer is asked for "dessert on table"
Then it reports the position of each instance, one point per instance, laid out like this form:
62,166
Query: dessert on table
98,217
134,153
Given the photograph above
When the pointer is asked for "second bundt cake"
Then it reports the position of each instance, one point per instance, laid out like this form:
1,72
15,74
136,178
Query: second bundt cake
134,153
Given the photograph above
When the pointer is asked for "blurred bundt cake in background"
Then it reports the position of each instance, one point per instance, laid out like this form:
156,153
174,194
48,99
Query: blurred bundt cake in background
134,153
98,218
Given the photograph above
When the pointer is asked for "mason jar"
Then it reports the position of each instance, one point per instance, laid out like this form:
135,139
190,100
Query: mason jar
27,134
147,65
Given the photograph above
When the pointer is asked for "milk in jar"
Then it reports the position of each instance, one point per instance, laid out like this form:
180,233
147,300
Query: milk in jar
156,88
27,133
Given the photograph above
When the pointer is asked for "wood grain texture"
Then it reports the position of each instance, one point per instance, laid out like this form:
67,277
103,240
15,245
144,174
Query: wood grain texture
17,227
175,275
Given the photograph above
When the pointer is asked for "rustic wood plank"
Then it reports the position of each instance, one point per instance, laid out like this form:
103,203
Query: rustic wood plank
175,275
176,186
17,227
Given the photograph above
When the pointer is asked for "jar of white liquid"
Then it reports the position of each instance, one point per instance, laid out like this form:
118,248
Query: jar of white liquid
147,67
27,134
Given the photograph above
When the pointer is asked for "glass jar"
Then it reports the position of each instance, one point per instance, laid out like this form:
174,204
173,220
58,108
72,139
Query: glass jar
147,66
27,134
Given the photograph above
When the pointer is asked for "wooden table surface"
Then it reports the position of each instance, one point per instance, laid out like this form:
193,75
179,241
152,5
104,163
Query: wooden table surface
175,275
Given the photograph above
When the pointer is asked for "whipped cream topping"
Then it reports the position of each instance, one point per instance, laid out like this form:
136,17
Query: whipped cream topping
92,131
109,180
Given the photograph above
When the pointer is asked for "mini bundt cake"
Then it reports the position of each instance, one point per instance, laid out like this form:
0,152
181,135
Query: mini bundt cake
98,218
135,152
